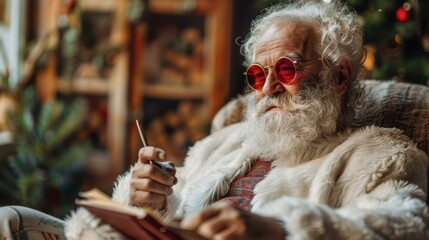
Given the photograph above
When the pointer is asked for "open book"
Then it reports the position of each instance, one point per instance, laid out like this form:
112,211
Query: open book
133,222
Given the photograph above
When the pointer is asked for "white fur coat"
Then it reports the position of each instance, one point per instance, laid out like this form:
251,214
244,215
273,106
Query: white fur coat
369,184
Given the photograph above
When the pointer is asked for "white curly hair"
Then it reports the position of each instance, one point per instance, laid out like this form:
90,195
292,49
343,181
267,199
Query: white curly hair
341,38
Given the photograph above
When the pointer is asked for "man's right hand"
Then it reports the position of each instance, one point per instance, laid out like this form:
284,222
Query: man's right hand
152,183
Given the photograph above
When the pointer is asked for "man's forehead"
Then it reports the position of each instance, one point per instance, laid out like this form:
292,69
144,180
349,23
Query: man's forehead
291,38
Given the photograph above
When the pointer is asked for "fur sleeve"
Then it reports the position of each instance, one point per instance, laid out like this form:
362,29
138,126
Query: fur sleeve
121,188
389,205
121,193
81,224
400,214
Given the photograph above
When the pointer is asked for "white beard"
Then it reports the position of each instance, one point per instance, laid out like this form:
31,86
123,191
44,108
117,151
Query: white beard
295,123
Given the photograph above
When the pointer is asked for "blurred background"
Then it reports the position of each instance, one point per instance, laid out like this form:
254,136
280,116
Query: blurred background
75,75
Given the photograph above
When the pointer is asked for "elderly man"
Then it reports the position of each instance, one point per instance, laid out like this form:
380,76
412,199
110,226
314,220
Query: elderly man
293,168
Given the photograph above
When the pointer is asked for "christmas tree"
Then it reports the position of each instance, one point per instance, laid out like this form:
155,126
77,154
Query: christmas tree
396,37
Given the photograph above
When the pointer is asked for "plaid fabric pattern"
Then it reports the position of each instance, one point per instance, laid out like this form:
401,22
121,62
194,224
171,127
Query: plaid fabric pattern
241,189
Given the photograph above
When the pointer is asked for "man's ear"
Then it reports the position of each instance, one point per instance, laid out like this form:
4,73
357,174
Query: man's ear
344,75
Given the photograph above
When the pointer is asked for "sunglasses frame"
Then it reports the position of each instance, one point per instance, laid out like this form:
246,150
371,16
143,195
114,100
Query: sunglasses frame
265,70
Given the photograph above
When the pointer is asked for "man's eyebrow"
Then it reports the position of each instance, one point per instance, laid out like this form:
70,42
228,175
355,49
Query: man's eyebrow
294,55
299,55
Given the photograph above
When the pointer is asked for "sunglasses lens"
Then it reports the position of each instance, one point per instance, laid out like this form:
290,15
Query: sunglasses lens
255,76
285,70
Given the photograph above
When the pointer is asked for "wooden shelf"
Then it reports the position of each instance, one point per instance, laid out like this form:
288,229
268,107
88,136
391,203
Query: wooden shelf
113,89
180,6
171,91
178,43
97,86
99,5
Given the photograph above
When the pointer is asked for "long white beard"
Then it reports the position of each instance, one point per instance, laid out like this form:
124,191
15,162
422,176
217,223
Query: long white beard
295,124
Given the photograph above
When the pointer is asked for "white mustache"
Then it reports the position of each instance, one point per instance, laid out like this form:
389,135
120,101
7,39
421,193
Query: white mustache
286,102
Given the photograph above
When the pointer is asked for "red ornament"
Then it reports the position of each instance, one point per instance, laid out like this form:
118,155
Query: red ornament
401,14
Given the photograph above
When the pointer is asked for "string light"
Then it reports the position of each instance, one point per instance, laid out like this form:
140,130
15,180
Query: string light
398,39
406,6
401,14
369,61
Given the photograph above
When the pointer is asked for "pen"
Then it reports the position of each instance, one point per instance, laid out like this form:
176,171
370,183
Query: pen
143,138
145,144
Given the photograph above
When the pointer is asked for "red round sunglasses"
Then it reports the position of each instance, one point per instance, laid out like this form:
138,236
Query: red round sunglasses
284,69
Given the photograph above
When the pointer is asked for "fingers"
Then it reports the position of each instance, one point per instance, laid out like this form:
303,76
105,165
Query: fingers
147,154
195,221
150,181
218,222
151,186
165,166
216,226
155,173
169,166
147,199
143,169
228,222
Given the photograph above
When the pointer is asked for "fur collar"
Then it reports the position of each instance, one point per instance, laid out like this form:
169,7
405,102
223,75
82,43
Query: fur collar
227,155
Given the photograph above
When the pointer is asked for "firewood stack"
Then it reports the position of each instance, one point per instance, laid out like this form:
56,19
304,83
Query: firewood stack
175,59
175,131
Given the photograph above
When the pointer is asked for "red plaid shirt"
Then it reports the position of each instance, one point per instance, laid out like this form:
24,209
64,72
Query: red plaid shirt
241,190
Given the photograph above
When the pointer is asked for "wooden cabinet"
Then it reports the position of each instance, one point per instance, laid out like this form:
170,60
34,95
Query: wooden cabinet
169,70
180,72
87,55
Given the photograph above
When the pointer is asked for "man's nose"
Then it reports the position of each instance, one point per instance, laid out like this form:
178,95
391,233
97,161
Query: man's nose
272,86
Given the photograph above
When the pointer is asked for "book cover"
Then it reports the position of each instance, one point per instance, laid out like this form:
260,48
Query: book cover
133,222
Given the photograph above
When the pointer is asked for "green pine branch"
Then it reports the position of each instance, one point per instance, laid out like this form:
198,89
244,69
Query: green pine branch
71,121
47,156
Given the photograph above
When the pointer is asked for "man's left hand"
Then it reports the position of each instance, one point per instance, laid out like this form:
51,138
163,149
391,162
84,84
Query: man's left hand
224,221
